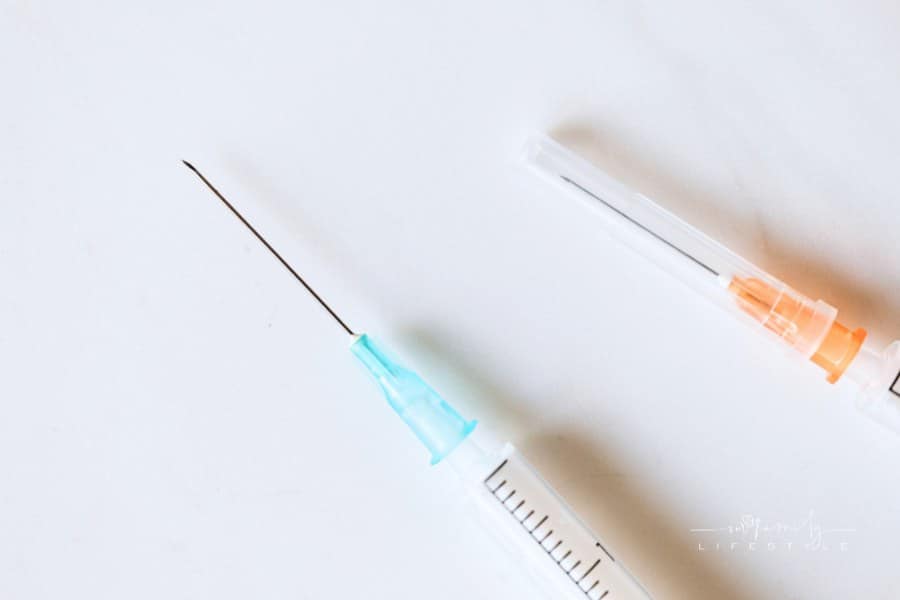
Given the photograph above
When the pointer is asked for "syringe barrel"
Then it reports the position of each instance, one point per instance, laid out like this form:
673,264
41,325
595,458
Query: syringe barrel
566,559
807,326
878,376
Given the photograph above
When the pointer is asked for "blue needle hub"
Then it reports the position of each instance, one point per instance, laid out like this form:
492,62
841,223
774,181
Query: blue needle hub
437,424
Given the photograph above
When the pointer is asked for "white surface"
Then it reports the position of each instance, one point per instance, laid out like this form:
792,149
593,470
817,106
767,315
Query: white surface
180,420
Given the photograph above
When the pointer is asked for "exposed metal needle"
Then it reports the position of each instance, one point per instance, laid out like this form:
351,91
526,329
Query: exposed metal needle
268,246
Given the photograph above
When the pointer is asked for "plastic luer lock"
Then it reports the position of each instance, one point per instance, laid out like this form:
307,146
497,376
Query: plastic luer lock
810,327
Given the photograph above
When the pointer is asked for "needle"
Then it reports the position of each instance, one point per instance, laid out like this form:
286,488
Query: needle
694,259
268,246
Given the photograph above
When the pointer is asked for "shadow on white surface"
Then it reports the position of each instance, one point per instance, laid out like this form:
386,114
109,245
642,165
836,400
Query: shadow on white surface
648,536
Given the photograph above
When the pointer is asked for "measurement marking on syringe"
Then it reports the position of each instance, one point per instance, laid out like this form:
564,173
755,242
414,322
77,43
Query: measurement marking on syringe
599,545
550,532
541,522
639,224
586,573
495,471
893,389
601,596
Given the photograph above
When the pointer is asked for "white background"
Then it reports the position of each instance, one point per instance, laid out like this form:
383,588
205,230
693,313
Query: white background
180,420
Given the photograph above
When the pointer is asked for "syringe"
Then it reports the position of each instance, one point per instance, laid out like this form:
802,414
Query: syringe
566,560
809,327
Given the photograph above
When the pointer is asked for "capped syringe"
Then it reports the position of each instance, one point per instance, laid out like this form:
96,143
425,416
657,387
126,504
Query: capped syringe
563,557
809,327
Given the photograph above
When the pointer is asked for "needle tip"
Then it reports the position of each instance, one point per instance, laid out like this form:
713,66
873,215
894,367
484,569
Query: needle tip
189,166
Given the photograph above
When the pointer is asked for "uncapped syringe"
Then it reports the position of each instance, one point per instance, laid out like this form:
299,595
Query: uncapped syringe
559,552
809,327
